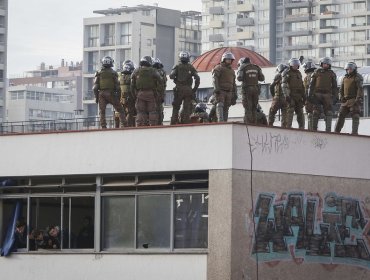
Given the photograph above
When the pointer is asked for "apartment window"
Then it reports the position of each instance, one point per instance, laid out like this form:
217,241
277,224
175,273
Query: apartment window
92,61
126,33
92,35
109,38
153,212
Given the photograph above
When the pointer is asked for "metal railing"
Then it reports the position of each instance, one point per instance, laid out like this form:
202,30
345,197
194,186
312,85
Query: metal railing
53,125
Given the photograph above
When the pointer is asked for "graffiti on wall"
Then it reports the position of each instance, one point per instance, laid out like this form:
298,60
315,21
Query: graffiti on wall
277,143
309,228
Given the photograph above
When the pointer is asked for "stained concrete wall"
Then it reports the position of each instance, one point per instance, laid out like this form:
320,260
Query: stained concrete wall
232,234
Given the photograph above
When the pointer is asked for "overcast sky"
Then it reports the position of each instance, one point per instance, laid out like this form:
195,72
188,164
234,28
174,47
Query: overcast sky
49,30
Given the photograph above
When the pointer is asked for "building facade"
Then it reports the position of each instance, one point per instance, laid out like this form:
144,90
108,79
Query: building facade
190,214
133,32
3,55
32,103
283,29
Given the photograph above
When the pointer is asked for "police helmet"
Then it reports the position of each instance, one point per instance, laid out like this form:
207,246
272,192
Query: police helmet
294,62
325,60
350,65
157,63
227,55
281,67
146,61
107,61
128,68
309,66
184,57
200,108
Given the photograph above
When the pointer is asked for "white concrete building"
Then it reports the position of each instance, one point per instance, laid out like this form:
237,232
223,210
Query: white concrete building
201,202
133,32
3,55
30,103
281,29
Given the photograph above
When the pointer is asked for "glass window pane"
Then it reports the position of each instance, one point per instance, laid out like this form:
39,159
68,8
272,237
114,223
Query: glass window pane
46,221
118,222
191,220
154,221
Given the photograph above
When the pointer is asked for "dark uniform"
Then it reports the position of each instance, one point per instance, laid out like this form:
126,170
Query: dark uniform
260,116
323,89
145,84
249,74
351,96
224,86
107,91
308,67
161,95
278,101
200,114
293,89
182,74
127,97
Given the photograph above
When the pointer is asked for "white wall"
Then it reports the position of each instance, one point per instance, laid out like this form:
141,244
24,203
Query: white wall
104,266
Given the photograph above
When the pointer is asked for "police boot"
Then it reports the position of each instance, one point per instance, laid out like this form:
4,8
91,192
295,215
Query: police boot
328,119
339,124
315,121
220,112
271,119
290,114
355,124
300,120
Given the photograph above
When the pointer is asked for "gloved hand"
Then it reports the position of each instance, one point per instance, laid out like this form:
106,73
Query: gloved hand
194,90
96,100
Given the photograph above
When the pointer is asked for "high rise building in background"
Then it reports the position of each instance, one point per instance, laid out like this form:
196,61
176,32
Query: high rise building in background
281,29
132,32
3,54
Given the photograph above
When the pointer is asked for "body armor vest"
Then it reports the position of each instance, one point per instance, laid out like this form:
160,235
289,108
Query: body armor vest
323,81
144,78
250,75
227,78
124,82
349,86
106,79
184,74
295,81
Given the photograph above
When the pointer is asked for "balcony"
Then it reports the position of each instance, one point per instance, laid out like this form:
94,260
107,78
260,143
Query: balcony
216,38
298,32
245,35
328,29
216,10
298,47
245,21
297,3
299,17
216,24
244,7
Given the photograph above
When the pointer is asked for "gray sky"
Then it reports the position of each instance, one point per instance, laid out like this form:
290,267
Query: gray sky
49,30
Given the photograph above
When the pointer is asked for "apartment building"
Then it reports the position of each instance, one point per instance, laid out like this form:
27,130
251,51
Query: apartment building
283,29
133,32
3,54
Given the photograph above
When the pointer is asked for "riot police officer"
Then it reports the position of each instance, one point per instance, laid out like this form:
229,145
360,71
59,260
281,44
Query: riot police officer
200,114
351,96
107,91
161,95
309,67
127,98
145,85
278,101
224,86
323,88
250,74
183,74
293,90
